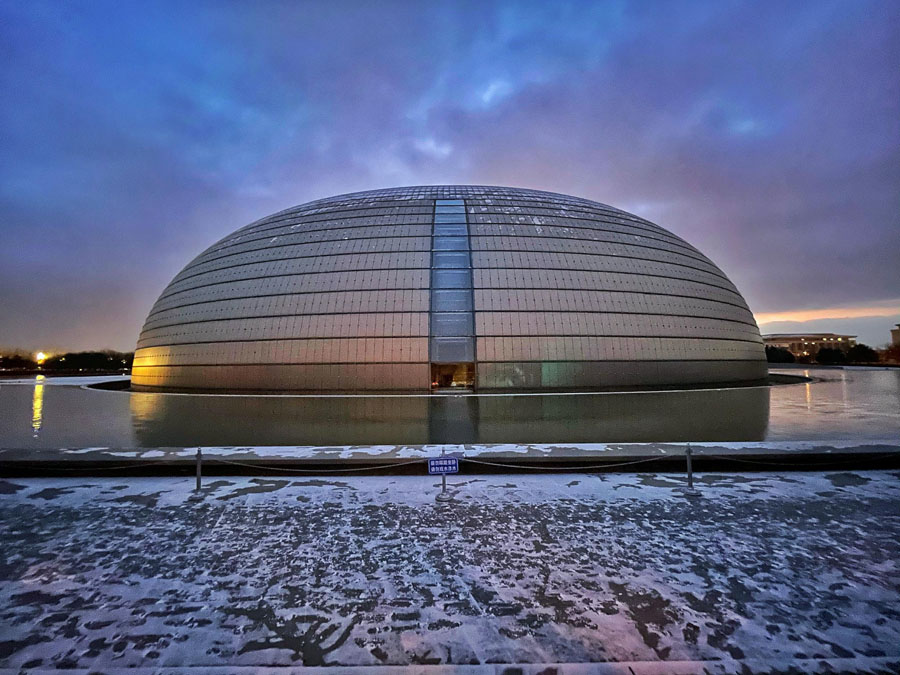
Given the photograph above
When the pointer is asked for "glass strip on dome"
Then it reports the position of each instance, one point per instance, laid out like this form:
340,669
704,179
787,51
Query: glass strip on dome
452,317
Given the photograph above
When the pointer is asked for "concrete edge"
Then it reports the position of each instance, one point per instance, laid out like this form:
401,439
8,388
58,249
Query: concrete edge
506,458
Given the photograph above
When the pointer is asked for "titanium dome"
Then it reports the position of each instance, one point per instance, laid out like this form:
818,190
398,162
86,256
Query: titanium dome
422,288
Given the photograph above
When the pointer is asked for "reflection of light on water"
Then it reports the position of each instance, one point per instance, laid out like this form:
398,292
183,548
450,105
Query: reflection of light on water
808,391
37,405
144,408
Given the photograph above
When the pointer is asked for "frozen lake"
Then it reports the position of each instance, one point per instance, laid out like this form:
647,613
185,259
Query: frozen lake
851,404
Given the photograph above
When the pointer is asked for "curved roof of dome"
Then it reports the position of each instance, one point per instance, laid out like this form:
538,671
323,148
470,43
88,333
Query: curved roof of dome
417,287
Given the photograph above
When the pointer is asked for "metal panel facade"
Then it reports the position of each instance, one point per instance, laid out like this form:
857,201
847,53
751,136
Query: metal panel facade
364,291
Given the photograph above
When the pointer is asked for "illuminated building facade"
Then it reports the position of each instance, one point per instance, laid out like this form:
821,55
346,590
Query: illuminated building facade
448,287
809,344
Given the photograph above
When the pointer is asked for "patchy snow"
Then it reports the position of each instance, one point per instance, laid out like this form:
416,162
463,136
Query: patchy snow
114,573
82,451
605,451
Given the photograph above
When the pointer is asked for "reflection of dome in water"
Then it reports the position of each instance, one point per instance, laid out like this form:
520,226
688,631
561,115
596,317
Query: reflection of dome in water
729,414
448,286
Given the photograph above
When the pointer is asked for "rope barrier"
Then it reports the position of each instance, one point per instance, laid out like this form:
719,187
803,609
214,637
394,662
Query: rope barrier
563,468
379,467
284,468
107,468
883,455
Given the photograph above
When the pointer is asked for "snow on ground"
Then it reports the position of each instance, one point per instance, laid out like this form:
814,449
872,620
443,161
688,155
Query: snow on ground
472,451
62,381
366,571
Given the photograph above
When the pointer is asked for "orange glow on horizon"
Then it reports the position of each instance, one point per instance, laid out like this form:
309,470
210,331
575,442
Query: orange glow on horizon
801,315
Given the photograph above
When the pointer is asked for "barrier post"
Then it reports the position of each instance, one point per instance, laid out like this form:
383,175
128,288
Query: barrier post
690,492
442,496
199,462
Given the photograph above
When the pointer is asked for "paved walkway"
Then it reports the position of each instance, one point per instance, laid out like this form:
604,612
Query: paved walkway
622,571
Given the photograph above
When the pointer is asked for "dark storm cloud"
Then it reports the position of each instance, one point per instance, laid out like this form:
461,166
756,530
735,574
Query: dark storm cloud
134,135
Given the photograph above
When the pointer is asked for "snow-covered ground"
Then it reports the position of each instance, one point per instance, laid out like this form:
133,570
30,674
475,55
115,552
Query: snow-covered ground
798,569
63,380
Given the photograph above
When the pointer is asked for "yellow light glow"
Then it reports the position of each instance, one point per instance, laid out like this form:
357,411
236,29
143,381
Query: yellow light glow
40,357
37,405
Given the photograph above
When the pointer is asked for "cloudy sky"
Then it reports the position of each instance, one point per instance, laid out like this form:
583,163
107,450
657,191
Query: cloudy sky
133,135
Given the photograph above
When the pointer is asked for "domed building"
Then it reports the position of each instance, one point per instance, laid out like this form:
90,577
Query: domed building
448,287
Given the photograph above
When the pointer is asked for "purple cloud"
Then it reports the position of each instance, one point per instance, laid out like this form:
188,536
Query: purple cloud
132,136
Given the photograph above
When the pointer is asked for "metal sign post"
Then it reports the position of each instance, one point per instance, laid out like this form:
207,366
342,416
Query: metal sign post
442,466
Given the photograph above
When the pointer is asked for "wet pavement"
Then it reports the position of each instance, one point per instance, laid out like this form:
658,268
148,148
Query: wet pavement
762,571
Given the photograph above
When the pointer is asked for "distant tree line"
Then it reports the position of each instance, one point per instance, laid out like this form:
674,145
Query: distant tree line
826,356
778,355
71,362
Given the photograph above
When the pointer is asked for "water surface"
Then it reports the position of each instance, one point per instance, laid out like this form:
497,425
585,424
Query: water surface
851,404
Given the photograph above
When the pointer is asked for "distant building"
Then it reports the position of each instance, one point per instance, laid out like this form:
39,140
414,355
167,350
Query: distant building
809,344
895,336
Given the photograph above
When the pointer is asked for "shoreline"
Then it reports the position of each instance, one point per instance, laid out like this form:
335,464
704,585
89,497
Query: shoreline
473,458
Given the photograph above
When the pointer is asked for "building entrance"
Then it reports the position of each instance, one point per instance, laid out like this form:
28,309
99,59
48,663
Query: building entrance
452,375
